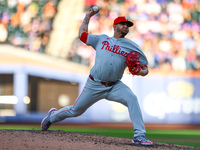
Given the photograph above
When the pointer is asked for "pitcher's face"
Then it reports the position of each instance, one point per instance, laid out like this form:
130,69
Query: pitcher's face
122,28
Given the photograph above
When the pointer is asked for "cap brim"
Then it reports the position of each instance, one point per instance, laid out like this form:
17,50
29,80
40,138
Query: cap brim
130,24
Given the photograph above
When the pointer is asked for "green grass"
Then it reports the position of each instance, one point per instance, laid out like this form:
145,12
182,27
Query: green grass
178,137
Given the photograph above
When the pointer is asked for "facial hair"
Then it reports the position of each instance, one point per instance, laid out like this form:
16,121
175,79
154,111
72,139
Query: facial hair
121,31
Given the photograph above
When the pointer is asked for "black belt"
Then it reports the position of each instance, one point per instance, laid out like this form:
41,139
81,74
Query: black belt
104,83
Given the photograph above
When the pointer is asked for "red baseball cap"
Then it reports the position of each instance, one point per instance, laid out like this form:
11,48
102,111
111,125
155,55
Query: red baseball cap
121,19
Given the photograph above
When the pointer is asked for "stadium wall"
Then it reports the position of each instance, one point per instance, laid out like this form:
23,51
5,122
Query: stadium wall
164,98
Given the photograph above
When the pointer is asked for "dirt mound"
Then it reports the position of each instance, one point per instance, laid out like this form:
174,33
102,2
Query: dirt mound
62,140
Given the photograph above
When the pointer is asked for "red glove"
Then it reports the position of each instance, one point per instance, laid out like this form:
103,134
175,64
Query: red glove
133,62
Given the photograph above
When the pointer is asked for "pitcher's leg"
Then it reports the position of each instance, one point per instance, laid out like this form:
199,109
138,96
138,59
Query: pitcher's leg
136,115
123,94
61,114
88,97
83,102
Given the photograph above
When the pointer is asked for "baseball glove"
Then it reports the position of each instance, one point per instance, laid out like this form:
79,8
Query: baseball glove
133,62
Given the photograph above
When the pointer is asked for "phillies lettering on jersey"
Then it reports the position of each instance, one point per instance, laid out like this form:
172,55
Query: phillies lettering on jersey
115,49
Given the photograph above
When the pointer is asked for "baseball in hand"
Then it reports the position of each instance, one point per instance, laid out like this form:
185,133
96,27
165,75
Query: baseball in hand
95,8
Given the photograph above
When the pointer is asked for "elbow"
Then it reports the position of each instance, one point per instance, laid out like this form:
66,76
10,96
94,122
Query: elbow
146,73
79,34
82,33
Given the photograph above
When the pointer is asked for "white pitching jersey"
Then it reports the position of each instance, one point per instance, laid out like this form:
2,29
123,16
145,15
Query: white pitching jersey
111,53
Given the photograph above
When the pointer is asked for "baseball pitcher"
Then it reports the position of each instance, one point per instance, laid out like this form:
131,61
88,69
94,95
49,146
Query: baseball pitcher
113,55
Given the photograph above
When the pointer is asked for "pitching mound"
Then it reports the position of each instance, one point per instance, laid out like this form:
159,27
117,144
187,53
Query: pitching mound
62,140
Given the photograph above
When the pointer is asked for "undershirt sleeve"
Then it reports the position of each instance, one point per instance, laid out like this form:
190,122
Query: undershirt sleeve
84,37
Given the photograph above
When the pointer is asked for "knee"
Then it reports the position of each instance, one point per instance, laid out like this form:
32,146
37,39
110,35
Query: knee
132,99
132,96
76,113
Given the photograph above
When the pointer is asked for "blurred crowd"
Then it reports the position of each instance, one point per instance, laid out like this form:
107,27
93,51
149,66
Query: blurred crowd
27,23
167,31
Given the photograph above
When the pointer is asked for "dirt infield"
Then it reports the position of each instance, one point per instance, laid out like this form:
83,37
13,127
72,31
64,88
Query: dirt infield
62,140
